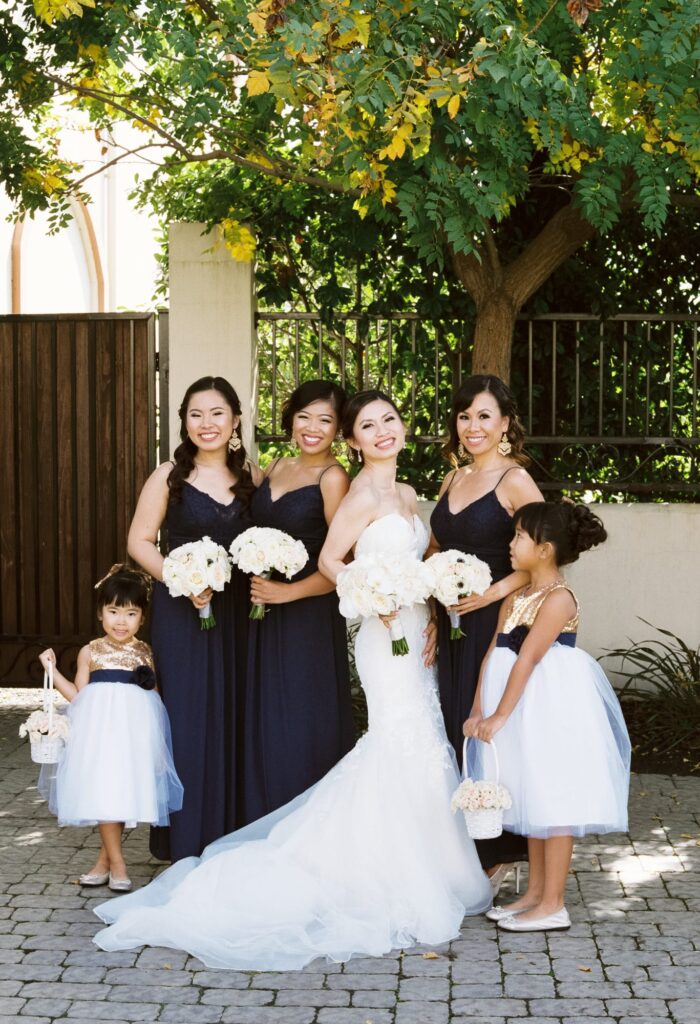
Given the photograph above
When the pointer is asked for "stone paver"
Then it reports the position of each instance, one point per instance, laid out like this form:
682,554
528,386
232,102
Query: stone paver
632,955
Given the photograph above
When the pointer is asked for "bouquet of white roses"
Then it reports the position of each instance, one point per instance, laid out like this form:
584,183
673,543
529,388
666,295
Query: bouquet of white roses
262,550
456,575
482,801
191,568
381,585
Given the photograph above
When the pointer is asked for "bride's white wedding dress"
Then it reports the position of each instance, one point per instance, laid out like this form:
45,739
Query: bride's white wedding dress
369,859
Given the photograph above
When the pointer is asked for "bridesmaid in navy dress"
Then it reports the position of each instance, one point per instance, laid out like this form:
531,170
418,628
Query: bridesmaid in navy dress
298,710
474,514
205,491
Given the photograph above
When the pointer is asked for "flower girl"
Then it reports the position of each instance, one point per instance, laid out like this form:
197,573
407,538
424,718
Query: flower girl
561,739
117,768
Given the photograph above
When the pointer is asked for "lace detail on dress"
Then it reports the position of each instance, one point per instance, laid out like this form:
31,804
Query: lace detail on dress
105,653
525,607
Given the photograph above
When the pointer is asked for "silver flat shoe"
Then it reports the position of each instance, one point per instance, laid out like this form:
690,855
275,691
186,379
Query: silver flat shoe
559,921
498,913
94,879
119,884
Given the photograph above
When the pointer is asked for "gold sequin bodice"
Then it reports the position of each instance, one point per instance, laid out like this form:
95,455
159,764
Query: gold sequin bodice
526,604
105,653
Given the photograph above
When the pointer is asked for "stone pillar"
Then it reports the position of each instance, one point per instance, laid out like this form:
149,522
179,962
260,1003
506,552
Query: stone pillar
212,322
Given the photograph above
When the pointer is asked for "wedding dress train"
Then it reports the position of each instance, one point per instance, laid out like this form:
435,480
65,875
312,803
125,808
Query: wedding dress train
369,859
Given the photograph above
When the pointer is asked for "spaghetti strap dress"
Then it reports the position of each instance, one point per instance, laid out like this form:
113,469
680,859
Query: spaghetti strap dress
298,706
484,529
201,674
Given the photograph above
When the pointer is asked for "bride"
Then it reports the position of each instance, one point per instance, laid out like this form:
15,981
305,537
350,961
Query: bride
371,858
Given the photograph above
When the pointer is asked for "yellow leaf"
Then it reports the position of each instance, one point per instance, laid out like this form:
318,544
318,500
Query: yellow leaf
431,956
586,970
258,23
388,193
362,23
258,83
453,106
361,208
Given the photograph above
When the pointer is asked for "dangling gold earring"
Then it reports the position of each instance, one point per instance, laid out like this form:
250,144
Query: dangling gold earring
234,442
293,443
504,446
461,452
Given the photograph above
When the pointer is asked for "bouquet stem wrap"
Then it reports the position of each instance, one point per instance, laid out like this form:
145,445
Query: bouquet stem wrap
206,619
399,643
456,631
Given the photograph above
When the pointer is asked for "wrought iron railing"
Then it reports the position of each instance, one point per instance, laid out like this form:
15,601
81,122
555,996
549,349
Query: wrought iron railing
608,405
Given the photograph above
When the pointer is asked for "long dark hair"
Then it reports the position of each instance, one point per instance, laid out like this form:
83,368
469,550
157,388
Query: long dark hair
185,453
308,392
462,399
352,410
569,528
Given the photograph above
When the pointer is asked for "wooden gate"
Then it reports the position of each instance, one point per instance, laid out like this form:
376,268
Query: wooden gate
77,441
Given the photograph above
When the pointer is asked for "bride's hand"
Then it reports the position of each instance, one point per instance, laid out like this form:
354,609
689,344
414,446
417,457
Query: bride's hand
429,652
388,619
472,724
488,727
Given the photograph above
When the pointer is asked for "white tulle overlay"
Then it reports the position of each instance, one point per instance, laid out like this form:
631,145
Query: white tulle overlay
564,752
118,764
369,859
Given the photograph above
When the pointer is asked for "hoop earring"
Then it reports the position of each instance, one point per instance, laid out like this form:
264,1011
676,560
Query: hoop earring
504,447
234,442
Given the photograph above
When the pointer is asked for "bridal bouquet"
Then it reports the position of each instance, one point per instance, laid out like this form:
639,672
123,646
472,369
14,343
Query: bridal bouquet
262,550
191,568
456,575
381,585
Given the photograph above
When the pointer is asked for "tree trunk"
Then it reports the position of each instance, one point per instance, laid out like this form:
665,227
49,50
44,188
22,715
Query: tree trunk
493,334
500,292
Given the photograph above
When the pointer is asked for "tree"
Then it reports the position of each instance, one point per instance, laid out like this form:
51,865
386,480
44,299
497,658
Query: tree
439,122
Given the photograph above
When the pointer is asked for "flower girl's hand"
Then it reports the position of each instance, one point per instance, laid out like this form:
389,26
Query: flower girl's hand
46,658
203,599
472,724
264,591
429,652
488,727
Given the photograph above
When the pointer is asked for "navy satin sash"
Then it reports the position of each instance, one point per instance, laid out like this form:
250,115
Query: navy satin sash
142,676
515,639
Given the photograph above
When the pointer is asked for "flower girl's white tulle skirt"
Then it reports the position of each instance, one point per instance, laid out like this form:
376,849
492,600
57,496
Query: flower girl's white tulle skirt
118,764
369,859
564,752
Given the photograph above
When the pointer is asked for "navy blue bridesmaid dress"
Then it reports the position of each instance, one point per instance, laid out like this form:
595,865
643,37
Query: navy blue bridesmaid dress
201,677
298,708
485,529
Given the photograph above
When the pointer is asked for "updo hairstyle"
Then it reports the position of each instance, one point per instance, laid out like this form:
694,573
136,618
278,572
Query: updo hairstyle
308,392
353,408
569,527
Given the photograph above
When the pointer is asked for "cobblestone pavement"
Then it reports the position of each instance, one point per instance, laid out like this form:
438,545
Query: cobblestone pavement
632,955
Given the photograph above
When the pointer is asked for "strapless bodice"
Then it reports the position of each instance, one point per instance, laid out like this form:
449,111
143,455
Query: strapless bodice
393,534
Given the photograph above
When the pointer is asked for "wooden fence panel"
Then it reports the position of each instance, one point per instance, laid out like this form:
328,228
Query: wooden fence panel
77,441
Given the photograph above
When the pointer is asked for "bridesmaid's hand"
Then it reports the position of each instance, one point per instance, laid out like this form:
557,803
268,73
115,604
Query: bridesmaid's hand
472,724
429,652
264,591
203,599
474,601
488,727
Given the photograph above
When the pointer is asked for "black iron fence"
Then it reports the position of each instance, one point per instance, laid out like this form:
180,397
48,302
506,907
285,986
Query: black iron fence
608,405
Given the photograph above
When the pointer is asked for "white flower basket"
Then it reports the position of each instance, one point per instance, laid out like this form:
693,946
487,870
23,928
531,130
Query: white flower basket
488,822
47,748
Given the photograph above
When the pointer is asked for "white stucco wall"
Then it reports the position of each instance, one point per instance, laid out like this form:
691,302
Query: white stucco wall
649,568
212,327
